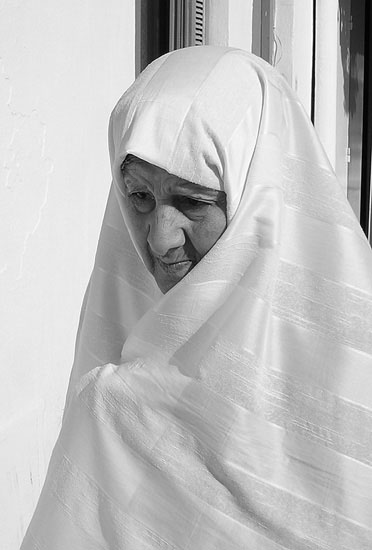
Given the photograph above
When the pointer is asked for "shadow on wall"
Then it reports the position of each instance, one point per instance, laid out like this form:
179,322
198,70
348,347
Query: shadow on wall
352,50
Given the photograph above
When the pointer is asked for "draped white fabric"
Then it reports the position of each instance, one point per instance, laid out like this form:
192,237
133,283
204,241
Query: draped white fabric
235,411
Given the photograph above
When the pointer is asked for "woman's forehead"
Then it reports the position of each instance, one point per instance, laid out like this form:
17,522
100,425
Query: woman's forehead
137,171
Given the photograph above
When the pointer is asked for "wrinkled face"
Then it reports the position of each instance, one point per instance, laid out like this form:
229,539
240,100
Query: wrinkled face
173,222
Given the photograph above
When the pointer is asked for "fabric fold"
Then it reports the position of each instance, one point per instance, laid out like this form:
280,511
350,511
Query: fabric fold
234,411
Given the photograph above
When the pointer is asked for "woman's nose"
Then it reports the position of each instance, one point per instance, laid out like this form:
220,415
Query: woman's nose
165,230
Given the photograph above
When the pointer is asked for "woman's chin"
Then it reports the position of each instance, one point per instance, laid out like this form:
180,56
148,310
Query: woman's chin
168,275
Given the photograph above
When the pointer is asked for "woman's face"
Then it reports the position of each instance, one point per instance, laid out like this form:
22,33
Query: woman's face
174,222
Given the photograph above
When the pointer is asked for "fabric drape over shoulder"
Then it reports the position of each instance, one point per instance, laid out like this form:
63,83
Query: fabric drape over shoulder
235,411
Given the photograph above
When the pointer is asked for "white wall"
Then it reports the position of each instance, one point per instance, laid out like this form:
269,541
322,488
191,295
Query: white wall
63,65
331,120
240,24
229,23
293,52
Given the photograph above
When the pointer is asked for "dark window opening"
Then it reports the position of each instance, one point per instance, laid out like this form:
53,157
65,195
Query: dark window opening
152,31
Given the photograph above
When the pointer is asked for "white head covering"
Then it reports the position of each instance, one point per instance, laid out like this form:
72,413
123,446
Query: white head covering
238,411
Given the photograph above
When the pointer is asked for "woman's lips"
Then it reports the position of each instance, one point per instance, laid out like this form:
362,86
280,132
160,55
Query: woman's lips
175,269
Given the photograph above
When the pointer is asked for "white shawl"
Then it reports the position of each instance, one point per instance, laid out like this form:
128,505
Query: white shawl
234,412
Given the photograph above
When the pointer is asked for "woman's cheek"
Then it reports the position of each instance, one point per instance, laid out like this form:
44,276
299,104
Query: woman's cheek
136,225
210,230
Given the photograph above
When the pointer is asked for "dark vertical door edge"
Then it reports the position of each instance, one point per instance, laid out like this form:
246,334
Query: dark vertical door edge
365,206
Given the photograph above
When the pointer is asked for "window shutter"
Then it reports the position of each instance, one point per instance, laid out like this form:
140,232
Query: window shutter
186,23
199,23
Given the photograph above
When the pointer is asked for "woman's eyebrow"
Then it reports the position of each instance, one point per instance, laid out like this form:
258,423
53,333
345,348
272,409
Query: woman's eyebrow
200,190
131,186
132,180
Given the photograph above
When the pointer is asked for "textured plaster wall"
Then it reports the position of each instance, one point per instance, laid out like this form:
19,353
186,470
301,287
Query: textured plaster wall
62,67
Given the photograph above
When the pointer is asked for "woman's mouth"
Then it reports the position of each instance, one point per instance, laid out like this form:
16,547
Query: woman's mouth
169,271
175,269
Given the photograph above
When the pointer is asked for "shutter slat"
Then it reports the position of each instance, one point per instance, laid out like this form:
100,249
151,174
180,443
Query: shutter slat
186,23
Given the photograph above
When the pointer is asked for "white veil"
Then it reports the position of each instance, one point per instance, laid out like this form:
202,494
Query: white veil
236,410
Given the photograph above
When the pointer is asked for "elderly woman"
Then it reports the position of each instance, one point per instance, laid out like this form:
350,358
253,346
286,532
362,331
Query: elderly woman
231,307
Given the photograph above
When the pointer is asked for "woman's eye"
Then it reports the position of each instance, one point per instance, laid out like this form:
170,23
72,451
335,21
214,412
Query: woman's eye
142,201
192,204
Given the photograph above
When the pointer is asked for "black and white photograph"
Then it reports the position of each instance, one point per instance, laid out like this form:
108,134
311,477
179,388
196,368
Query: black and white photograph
186,275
